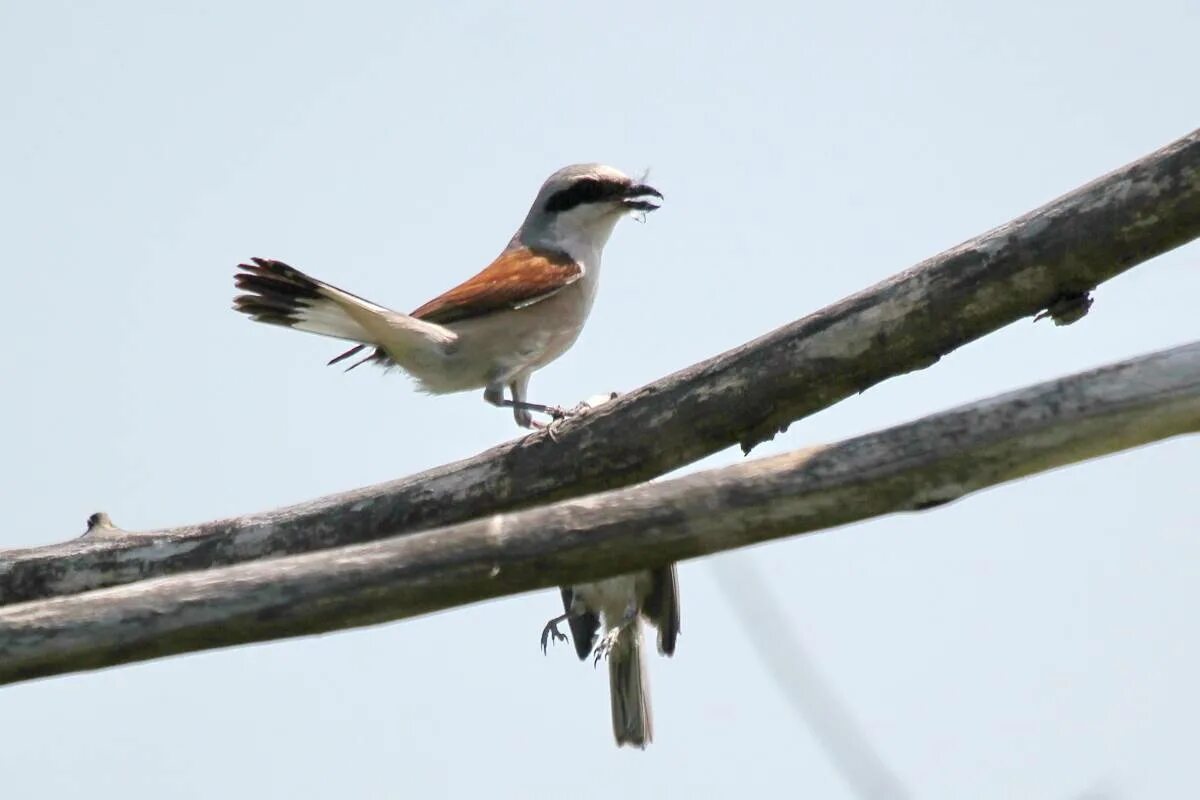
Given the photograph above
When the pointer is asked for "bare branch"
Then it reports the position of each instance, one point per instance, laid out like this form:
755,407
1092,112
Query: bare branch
915,466
799,680
1049,259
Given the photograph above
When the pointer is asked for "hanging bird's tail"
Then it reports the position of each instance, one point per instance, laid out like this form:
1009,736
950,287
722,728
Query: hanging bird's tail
629,689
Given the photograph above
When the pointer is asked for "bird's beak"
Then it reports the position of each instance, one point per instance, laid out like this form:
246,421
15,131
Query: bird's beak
641,197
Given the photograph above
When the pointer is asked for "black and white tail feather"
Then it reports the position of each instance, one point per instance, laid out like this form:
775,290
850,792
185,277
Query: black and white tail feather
278,294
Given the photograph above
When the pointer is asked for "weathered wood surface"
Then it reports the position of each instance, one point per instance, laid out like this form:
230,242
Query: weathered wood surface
910,467
1049,258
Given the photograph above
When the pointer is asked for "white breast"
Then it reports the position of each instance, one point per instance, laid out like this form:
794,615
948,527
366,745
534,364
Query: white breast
612,597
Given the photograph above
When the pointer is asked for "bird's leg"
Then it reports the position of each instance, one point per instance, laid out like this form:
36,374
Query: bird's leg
551,630
494,394
521,407
554,412
582,407
609,640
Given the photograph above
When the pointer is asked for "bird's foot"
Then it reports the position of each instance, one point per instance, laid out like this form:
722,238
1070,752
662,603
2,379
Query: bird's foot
551,427
558,414
551,633
606,644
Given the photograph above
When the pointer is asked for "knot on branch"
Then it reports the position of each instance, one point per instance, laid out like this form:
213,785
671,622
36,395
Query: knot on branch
101,523
934,497
1067,308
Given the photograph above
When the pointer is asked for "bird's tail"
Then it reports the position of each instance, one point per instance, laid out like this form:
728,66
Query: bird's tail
278,294
629,689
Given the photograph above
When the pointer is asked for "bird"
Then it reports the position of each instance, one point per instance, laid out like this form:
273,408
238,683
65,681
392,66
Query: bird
619,604
494,330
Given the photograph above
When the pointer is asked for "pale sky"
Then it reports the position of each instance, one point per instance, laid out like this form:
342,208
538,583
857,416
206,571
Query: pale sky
1034,641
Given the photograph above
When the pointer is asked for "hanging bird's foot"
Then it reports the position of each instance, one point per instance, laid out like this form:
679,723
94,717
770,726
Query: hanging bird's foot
605,645
608,641
551,633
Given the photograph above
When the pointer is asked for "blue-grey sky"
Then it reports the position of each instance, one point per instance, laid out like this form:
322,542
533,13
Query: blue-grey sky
1034,641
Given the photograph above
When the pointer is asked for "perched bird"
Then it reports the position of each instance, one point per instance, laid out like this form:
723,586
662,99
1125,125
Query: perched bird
620,603
524,310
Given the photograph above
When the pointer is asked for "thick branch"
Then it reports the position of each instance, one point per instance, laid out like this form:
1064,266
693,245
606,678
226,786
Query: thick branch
1047,259
914,466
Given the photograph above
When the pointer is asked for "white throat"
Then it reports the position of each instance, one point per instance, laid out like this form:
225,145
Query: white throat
581,233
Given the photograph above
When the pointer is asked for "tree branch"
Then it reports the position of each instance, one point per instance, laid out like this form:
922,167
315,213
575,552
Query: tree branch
1049,259
914,466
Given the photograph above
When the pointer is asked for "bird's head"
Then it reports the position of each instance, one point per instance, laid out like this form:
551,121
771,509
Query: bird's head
579,205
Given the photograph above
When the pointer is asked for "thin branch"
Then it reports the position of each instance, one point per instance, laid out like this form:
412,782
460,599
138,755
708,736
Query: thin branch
801,682
1049,259
914,466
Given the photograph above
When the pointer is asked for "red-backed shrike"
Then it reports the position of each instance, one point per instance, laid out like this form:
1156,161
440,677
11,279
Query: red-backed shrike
520,313
618,604
493,331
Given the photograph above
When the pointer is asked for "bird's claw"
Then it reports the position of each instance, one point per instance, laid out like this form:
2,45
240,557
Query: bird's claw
605,646
551,633
551,427
558,415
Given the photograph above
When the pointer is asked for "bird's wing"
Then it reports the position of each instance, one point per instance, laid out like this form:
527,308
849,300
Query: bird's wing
583,626
662,607
519,277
